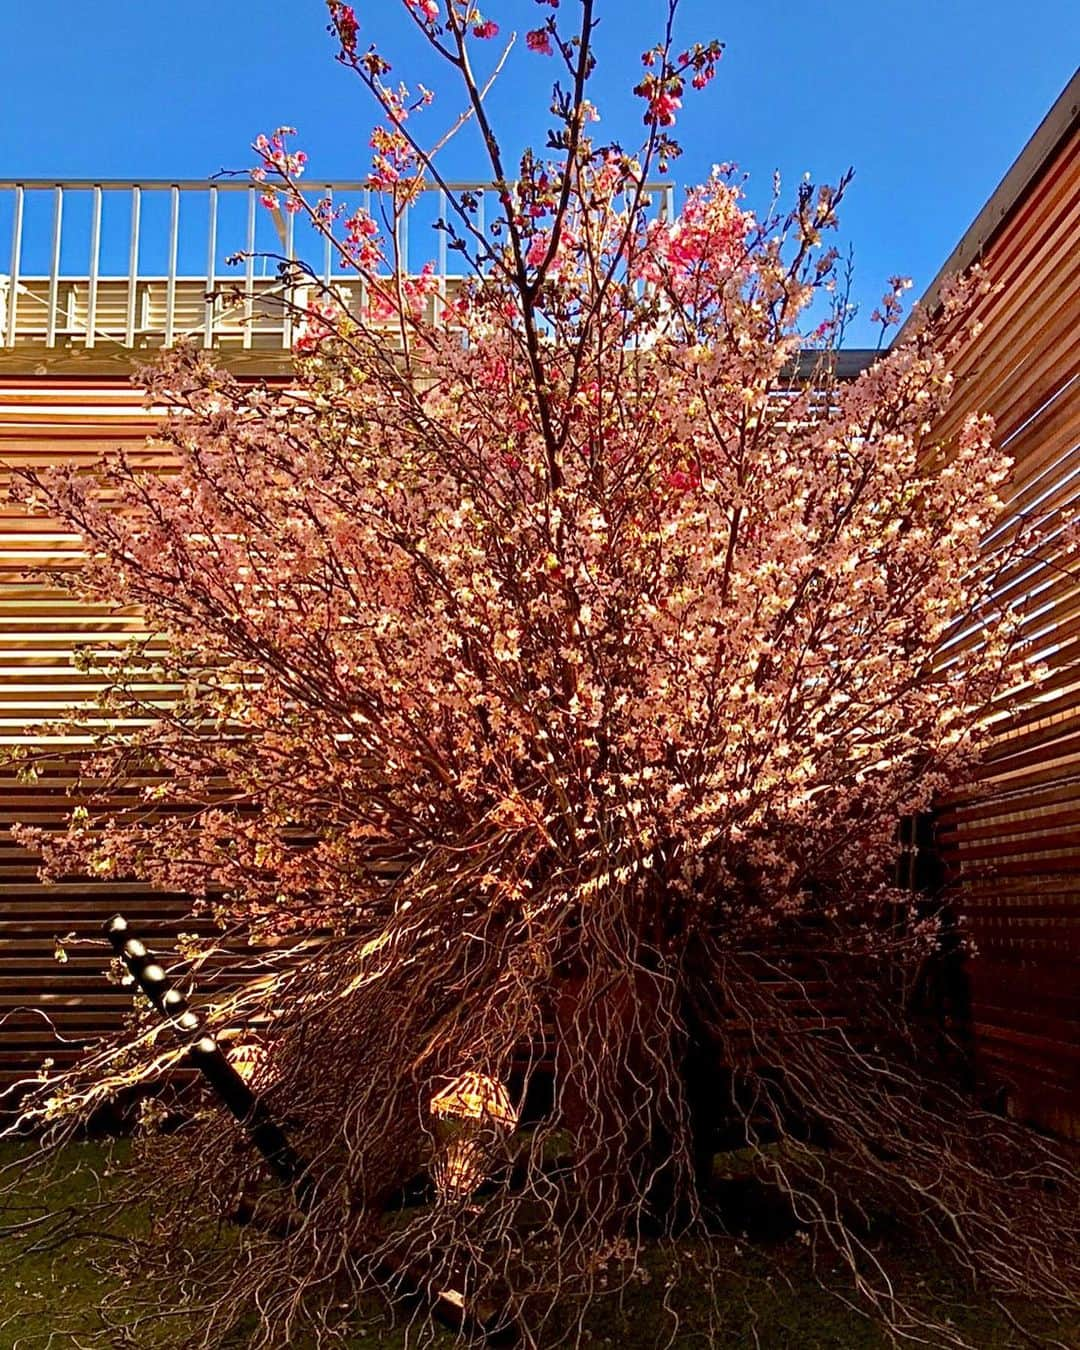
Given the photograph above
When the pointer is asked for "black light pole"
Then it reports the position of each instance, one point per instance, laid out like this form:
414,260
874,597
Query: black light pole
447,1305
205,1053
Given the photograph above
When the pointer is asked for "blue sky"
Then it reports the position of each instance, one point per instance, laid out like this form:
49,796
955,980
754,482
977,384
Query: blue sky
930,102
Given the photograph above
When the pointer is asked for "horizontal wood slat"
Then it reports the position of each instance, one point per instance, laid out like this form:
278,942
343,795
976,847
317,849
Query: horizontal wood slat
51,1009
1012,842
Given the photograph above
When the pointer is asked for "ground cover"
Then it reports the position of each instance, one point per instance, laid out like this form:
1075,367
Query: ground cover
772,1298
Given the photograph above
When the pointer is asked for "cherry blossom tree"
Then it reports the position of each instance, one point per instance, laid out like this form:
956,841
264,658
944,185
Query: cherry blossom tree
559,652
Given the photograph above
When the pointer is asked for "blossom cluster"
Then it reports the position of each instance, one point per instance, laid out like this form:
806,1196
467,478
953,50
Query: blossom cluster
568,564
559,645
663,85
650,612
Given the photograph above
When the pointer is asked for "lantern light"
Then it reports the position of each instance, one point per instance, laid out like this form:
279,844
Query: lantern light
475,1114
475,1096
247,1058
474,1102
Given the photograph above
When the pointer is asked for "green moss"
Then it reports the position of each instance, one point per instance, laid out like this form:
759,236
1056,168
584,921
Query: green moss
48,1285
768,1295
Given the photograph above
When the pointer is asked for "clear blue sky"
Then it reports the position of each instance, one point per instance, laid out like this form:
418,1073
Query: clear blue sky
930,102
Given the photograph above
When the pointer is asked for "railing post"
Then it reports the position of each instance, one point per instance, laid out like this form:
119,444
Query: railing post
289,286
95,263
403,238
440,299
170,283
133,266
249,267
211,262
328,251
13,270
54,265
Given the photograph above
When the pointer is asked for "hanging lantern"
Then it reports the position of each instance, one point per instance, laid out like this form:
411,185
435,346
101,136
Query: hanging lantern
474,1115
247,1058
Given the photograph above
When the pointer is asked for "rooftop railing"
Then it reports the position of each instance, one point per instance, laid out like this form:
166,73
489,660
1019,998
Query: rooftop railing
142,264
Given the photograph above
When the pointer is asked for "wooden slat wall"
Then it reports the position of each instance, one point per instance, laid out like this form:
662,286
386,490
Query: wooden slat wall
1013,848
47,1008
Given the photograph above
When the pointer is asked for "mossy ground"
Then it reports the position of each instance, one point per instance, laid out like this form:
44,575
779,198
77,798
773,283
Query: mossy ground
772,1300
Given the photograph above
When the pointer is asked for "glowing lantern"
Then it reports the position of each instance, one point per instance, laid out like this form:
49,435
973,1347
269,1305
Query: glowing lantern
247,1058
475,1114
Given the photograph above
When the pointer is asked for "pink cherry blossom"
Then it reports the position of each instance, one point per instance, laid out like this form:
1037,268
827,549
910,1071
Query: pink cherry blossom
344,21
545,661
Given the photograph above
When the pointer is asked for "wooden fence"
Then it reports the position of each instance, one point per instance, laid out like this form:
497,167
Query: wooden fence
1013,847
49,1008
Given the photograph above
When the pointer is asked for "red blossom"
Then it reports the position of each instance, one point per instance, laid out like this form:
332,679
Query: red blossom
664,99
344,23
321,322
539,40
663,107
683,480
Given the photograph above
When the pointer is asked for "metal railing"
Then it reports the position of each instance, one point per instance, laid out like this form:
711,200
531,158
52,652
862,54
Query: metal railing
141,264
